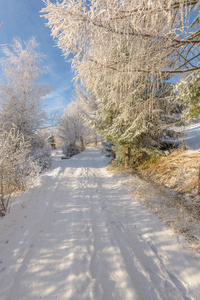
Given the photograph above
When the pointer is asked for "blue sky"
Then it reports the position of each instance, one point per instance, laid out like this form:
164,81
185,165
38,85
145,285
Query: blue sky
21,18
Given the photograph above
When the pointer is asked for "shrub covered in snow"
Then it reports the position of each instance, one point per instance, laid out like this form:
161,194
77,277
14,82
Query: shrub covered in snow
17,166
107,149
70,150
42,159
14,166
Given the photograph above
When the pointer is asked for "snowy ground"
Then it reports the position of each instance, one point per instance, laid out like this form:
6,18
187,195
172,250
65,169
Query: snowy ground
192,136
80,235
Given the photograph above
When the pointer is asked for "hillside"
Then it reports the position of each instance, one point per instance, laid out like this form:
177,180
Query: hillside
177,175
180,169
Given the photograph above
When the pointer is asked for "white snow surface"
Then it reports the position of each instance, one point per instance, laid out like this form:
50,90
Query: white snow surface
79,235
192,136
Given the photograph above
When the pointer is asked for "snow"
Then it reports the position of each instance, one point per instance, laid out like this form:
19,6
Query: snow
79,235
192,137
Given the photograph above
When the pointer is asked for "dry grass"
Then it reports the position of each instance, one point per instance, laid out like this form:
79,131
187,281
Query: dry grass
179,171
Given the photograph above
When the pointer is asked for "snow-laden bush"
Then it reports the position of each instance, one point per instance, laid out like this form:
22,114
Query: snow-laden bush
40,140
70,150
42,159
14,165
107,149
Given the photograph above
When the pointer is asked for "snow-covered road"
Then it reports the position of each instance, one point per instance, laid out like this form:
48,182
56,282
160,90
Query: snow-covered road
79,235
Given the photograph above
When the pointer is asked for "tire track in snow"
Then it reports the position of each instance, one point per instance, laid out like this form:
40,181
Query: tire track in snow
162,284
131,242
148,283
96,243
25,253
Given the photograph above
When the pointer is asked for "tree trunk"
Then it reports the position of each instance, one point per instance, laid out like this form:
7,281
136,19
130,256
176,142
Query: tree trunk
82,144
95,141
127,157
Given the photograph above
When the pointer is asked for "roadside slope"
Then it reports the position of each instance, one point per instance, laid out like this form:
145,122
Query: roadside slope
80,235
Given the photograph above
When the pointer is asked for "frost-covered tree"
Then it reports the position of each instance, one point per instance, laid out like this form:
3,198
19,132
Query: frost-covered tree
53,118
123,51
88,109
137,122
21,91
72,128
188,94
14,166
150,36
67,130
116,43
188,88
